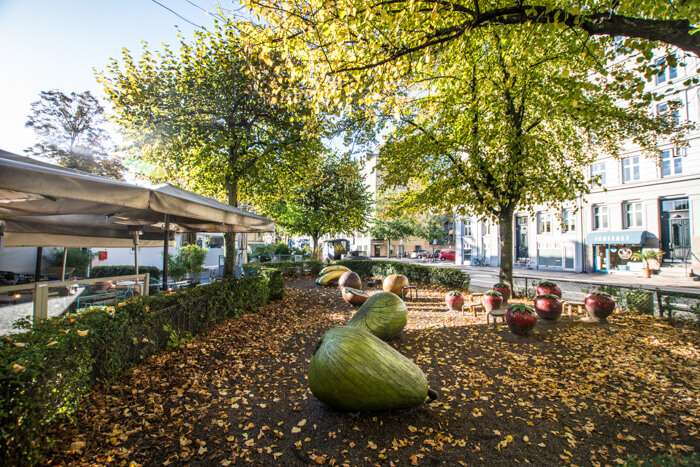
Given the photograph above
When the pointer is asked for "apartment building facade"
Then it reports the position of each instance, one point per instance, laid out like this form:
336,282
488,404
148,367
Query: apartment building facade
637,203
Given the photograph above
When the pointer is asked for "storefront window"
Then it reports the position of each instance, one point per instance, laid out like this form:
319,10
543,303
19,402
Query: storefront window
549,254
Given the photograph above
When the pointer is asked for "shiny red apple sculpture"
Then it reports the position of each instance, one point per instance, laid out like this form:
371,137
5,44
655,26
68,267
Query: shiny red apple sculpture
548,287
505,291
454,300
599,305
548,306
492,300
520,319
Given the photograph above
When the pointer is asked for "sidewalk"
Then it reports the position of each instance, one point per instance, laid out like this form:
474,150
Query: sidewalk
672,284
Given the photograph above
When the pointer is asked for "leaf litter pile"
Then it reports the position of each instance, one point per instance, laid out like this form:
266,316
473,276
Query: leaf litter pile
570,394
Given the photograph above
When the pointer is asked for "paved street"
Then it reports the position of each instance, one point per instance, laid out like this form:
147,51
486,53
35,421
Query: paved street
482,276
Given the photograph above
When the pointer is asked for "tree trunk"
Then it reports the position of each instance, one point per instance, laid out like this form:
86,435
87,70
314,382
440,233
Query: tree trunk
505,222
388,249
230,237
314,247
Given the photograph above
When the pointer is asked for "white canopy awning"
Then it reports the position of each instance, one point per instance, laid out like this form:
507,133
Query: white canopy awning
47,205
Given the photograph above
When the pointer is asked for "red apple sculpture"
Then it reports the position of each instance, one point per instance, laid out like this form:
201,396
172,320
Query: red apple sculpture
454,300
354,296
548,306
505,291
548,287
520,319
492,300
599,305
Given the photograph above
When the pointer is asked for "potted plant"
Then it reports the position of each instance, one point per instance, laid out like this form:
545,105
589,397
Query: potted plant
454,300
548,287
548,306
599,305
505,291
520,319
644,257
492,300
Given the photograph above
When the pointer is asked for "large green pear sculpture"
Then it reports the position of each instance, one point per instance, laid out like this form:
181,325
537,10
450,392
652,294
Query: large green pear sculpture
353,370
384,315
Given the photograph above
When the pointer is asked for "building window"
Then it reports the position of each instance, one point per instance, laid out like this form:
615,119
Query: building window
568,221
486,228
630,169
633,214
598,175
663,110
667,74
671,162
544,222
600,217
468,228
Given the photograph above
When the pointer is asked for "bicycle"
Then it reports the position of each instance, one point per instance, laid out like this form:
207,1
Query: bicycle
478,262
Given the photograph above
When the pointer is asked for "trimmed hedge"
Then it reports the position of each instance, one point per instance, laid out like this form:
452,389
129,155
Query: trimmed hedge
45,371
124,270
447,277
290,269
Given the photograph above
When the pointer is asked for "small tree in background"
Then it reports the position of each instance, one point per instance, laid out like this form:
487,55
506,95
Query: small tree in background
69,131
335,201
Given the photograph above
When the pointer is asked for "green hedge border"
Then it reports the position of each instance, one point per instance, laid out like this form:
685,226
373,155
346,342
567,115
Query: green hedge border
446,277
289,269
45,372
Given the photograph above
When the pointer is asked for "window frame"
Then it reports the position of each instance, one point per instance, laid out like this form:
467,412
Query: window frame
637,214
600,213
544,218
599,168
568,221
633,164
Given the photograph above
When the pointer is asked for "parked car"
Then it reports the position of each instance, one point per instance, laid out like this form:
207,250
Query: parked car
419,253
357,255
447,254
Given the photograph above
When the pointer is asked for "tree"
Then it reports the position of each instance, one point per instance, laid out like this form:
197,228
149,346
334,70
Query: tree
336,201
387,225
429,229
355,35
391,230
512,125
68,127
218,117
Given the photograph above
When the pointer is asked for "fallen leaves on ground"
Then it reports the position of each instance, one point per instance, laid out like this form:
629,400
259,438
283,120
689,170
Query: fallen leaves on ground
571,393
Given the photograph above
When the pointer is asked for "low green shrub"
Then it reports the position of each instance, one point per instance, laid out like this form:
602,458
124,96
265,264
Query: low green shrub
46,370
290,269
125,270
275,281
446,277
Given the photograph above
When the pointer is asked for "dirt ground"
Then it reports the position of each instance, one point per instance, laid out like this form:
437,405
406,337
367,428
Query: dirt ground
573,393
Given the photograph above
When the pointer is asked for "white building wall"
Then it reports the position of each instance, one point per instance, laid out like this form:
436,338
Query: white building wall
651,188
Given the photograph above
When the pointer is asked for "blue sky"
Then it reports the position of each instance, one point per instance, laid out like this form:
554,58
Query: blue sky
48,44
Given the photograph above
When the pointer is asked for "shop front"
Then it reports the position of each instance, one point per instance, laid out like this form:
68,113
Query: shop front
612,251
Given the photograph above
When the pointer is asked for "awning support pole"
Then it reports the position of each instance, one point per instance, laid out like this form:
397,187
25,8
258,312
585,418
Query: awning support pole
37,269
63,271
165,253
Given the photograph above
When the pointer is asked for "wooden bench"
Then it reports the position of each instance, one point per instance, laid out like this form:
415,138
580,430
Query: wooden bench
474,304
568,305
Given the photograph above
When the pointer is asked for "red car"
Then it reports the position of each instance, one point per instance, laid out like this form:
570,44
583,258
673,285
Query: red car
447,254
